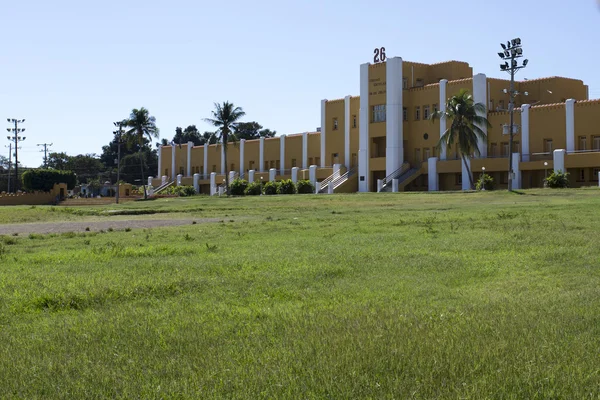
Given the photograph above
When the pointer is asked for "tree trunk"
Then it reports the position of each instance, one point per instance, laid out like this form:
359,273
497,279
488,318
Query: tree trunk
224,144
142,169
468,172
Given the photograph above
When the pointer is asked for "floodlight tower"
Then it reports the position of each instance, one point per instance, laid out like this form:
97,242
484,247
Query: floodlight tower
16,138
511,52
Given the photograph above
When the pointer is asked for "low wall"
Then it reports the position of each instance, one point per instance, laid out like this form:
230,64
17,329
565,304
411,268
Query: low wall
34,198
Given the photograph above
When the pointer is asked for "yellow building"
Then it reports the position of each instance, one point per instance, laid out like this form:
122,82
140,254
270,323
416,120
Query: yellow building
384,140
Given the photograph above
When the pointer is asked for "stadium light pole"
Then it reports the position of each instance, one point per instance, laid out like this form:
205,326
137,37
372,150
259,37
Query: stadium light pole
16,138
511,52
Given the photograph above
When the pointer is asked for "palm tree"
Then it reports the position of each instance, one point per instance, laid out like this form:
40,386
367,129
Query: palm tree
225,117
466,128
141,125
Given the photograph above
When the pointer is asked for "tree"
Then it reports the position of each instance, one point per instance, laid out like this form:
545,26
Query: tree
85,166
225,118
466,128
189,134
59,161
252,130
142,126
4,162
129,159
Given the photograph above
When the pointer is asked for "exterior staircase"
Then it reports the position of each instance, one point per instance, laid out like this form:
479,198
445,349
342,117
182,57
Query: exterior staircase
163,187
404,178
337,180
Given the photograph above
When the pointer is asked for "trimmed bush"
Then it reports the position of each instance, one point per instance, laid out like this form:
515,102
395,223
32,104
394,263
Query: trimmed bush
253,189
557,180
238,187
485,182
270,187
305,187
286,186
44,179
182,191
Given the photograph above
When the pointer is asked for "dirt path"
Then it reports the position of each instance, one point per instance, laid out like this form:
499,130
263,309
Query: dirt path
61,227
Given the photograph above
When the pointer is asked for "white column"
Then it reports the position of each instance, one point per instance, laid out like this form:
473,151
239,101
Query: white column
347,116
305,150
213,183
160,167
363,131
393,119
598,178
295,174
189,158
164,179
323,134
395,184
231,175
197,183
251,176
559,160
282,154
432,175
179,179
242,147
379,185
150,180
466,182
312,173
261,158
570,110
515,167
205,160
272,174
480,96
443,98
525,131
330,187
336,170
223,166
173,172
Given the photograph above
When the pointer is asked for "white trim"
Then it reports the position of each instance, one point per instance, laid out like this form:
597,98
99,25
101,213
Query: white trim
205,167
570,117
223,166
466,182
323,133
160,149
394,116
516,183
189,158
442,107
363,134
347,121
242,155
261,159
480,96
305,150
558,157
173,173
432,175
525,131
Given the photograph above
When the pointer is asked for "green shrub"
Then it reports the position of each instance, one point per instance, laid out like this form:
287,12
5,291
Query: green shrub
305,186
485,182
286,186
182,191
270,187
253,189
238,187
44,179
557,180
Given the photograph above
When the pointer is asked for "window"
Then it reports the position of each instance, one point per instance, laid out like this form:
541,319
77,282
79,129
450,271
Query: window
458,179
266,165
515,146
250,165
417,156
417,113
181,171
500,105
310,161
273,163
354,121
426,154
595,173
504,149
335,124
379,113
166,171
493,150
548,145
317,160
491,104
504,177
404,114
436,108
404,83
582,143
426,112
420,82
293,162
581,177
232,167
214,169
596,142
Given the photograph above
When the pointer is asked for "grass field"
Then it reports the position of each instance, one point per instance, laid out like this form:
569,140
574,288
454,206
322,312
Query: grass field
473,296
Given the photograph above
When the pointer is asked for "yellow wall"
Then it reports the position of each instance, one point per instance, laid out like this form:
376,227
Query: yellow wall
293,151
547,122
252,155
272,153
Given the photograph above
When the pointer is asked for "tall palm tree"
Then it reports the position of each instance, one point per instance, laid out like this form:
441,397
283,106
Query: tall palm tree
466,128
225,117
141,125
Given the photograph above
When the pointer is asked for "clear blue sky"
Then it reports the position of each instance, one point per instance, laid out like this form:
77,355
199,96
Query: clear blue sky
71,68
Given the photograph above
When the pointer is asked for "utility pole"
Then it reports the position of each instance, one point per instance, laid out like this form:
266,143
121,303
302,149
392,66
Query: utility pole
511,51
16,130
9,165
46,145
118,132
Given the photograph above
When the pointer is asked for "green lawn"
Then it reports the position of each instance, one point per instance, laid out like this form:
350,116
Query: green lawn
478,295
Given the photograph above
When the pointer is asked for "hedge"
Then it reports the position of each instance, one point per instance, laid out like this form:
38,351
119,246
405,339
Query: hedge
45,179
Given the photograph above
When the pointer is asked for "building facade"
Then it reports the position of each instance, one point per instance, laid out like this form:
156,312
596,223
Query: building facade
383,139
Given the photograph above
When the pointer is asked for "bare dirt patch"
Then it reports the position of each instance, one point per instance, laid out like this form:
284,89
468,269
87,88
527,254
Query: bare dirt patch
94,226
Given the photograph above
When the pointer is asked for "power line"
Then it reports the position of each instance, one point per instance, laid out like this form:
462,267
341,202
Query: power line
46,145
16,130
